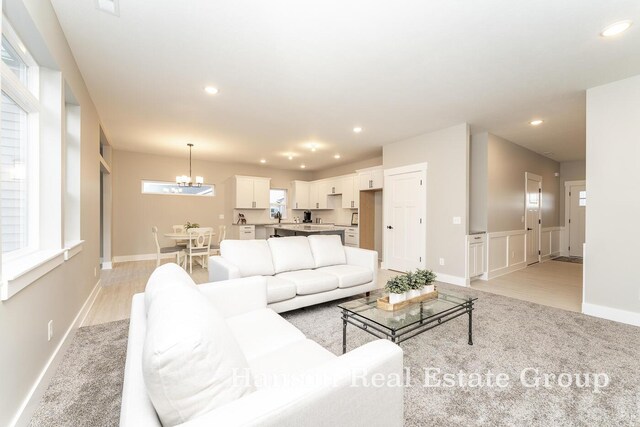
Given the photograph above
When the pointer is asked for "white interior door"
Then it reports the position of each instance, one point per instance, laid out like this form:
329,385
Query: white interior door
577,206
532,216
405,206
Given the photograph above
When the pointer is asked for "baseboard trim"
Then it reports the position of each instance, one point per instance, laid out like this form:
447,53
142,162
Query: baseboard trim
140,257
506,270
107,266
452,280
615,314
30,404
549,256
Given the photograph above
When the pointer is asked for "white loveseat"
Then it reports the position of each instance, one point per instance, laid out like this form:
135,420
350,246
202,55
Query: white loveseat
352,389
300,271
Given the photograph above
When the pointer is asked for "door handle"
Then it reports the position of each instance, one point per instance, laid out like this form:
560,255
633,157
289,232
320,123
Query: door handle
529,229
389,227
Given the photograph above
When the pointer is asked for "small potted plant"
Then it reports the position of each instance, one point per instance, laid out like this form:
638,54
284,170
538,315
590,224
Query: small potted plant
397,288
426,279
415,285
189,225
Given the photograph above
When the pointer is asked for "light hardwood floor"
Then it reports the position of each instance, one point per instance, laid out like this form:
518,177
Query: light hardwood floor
553,283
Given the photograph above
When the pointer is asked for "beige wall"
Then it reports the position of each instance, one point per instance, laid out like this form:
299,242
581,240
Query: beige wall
347,169
478,182
570,171
447,154
507,164
59,295
613,178
135,213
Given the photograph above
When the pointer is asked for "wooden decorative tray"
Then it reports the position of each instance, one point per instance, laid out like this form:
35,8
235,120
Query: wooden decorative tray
383,303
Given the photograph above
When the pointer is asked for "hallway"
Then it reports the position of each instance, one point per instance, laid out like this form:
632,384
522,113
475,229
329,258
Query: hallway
552,283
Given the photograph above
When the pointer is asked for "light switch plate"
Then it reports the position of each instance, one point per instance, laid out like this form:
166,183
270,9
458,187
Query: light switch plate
441,261
221,216
457,220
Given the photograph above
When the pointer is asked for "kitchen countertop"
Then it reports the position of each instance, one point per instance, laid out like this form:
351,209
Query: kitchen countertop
471,233
308,228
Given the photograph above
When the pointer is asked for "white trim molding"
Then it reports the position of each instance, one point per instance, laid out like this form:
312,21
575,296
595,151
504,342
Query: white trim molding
506,253
72,249
20,273
550,240
31,402
609,313
452,280
140,257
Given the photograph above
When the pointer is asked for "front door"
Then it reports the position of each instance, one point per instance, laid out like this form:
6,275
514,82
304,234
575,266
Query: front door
405,201
532,216
577,204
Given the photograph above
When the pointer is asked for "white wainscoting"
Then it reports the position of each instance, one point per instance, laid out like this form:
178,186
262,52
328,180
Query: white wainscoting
505,253
550,239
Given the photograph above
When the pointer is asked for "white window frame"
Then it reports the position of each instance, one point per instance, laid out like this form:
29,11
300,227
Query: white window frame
286,202
26,98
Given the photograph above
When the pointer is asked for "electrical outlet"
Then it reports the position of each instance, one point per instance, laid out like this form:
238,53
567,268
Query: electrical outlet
221,216
95,271
441,261
457,220
49,330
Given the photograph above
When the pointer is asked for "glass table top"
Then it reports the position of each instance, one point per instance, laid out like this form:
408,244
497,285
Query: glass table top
395,320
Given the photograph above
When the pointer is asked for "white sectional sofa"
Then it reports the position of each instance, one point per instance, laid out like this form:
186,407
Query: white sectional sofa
300,271
185,340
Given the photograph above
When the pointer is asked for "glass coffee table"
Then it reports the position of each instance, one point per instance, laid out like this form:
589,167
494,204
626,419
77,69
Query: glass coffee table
400,325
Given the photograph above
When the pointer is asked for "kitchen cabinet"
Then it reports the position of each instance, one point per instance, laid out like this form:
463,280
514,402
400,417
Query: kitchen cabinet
301,195
334,186
247,232
318,193
476,257
351,237
350,192
252,192
371,179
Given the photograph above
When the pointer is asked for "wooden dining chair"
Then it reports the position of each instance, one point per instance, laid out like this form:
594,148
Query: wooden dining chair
199,246
178,250
222,233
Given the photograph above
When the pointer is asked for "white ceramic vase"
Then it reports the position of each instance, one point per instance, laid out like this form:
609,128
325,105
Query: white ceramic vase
397,298
428,289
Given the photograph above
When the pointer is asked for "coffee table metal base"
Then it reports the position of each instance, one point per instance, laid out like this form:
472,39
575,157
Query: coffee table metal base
398,336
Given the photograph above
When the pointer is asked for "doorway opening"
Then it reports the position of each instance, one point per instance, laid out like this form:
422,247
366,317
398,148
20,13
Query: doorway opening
370,221
106,198
533,219
575,202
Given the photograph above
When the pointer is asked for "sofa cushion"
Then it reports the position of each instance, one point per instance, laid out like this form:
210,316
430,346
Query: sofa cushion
262,331
284,364
291,253
279,289
252,257
327,250
190,359
310,281
163,278
349,275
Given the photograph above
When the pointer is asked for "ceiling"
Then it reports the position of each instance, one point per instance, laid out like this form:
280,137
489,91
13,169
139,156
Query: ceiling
292,72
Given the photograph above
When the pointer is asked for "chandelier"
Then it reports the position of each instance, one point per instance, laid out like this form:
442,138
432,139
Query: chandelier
187,181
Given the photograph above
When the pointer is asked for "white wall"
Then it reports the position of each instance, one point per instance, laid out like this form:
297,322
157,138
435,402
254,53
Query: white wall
479,182
447,153
59,295
612,286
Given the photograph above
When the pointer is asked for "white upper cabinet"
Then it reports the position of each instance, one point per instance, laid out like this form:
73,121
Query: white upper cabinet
301,193
350,192
252,192
371,179
334,186
318,194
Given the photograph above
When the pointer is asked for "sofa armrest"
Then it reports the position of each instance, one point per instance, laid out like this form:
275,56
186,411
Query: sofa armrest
221,269
362,387
237,296
363,258
137,409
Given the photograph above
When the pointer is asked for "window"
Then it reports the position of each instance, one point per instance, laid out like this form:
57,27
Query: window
173,189
278,203
15,63
13,176
582,200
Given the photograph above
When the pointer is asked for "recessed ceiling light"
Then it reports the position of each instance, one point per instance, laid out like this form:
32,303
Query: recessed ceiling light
211,90
314,147
535,122
357,129
615,29
109,6
290,157
337,156
302,166
263,161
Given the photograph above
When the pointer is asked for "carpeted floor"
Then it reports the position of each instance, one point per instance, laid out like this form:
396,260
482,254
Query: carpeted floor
510,336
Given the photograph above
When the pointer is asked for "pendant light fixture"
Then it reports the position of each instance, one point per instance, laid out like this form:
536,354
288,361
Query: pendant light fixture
187,181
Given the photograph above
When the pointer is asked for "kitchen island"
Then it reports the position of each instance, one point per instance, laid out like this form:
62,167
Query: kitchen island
285,230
